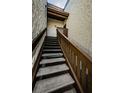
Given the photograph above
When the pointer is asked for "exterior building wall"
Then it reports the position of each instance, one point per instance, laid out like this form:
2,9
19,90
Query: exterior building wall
52,25
39,16
79,23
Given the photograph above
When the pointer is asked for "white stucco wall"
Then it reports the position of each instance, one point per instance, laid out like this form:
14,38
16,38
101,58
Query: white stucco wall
39,16
79,23
52,24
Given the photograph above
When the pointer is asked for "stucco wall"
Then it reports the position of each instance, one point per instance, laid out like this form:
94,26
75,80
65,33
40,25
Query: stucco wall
39,16
52,24
79,23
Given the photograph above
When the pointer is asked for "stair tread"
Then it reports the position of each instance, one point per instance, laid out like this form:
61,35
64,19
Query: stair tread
71,91
52,54
52,47
52,84
49,44
52,69
52,60
51,40
52,50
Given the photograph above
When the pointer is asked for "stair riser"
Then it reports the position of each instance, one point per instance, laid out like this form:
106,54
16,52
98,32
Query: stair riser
47,57
62,90
51,40
51,64
51,48
51,44
52,51
51,75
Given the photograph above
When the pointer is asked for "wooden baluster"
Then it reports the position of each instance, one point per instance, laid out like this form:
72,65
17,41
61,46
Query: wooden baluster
66,49
79,61
72,57
89,81
74,63
78,67
83,75
69,53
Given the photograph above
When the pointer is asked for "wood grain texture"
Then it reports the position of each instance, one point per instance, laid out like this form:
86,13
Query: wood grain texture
81,61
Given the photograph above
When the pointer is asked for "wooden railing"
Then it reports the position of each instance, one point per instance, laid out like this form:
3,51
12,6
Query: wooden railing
63,30
36,54
37,39
79,61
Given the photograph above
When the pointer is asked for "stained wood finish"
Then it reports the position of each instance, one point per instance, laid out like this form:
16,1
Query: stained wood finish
63,30
78,60
35,66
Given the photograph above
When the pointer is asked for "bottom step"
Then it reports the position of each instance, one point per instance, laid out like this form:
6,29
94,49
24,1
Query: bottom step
52,84
71,91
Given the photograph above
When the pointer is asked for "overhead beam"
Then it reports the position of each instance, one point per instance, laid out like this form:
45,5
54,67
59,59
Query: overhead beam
56,13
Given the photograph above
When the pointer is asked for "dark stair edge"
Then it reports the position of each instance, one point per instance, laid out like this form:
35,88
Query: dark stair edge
51,64
63,89
51,75
52,51
51,47
49,57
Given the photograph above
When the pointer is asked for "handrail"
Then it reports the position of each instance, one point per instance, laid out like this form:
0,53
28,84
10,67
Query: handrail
80,62
36,40
36,54
63,30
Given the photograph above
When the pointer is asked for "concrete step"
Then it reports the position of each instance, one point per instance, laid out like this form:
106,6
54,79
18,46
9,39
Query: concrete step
52,60
51,47
73,90
48,44
51,50
52,55
51,39
51,42
52,84
52,69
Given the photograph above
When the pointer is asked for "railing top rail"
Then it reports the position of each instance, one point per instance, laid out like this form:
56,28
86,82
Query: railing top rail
75,46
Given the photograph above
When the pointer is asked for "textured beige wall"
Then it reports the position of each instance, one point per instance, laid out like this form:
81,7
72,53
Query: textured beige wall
52,24
39,16
79,23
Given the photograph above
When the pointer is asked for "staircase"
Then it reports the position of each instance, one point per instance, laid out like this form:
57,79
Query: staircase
53,73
